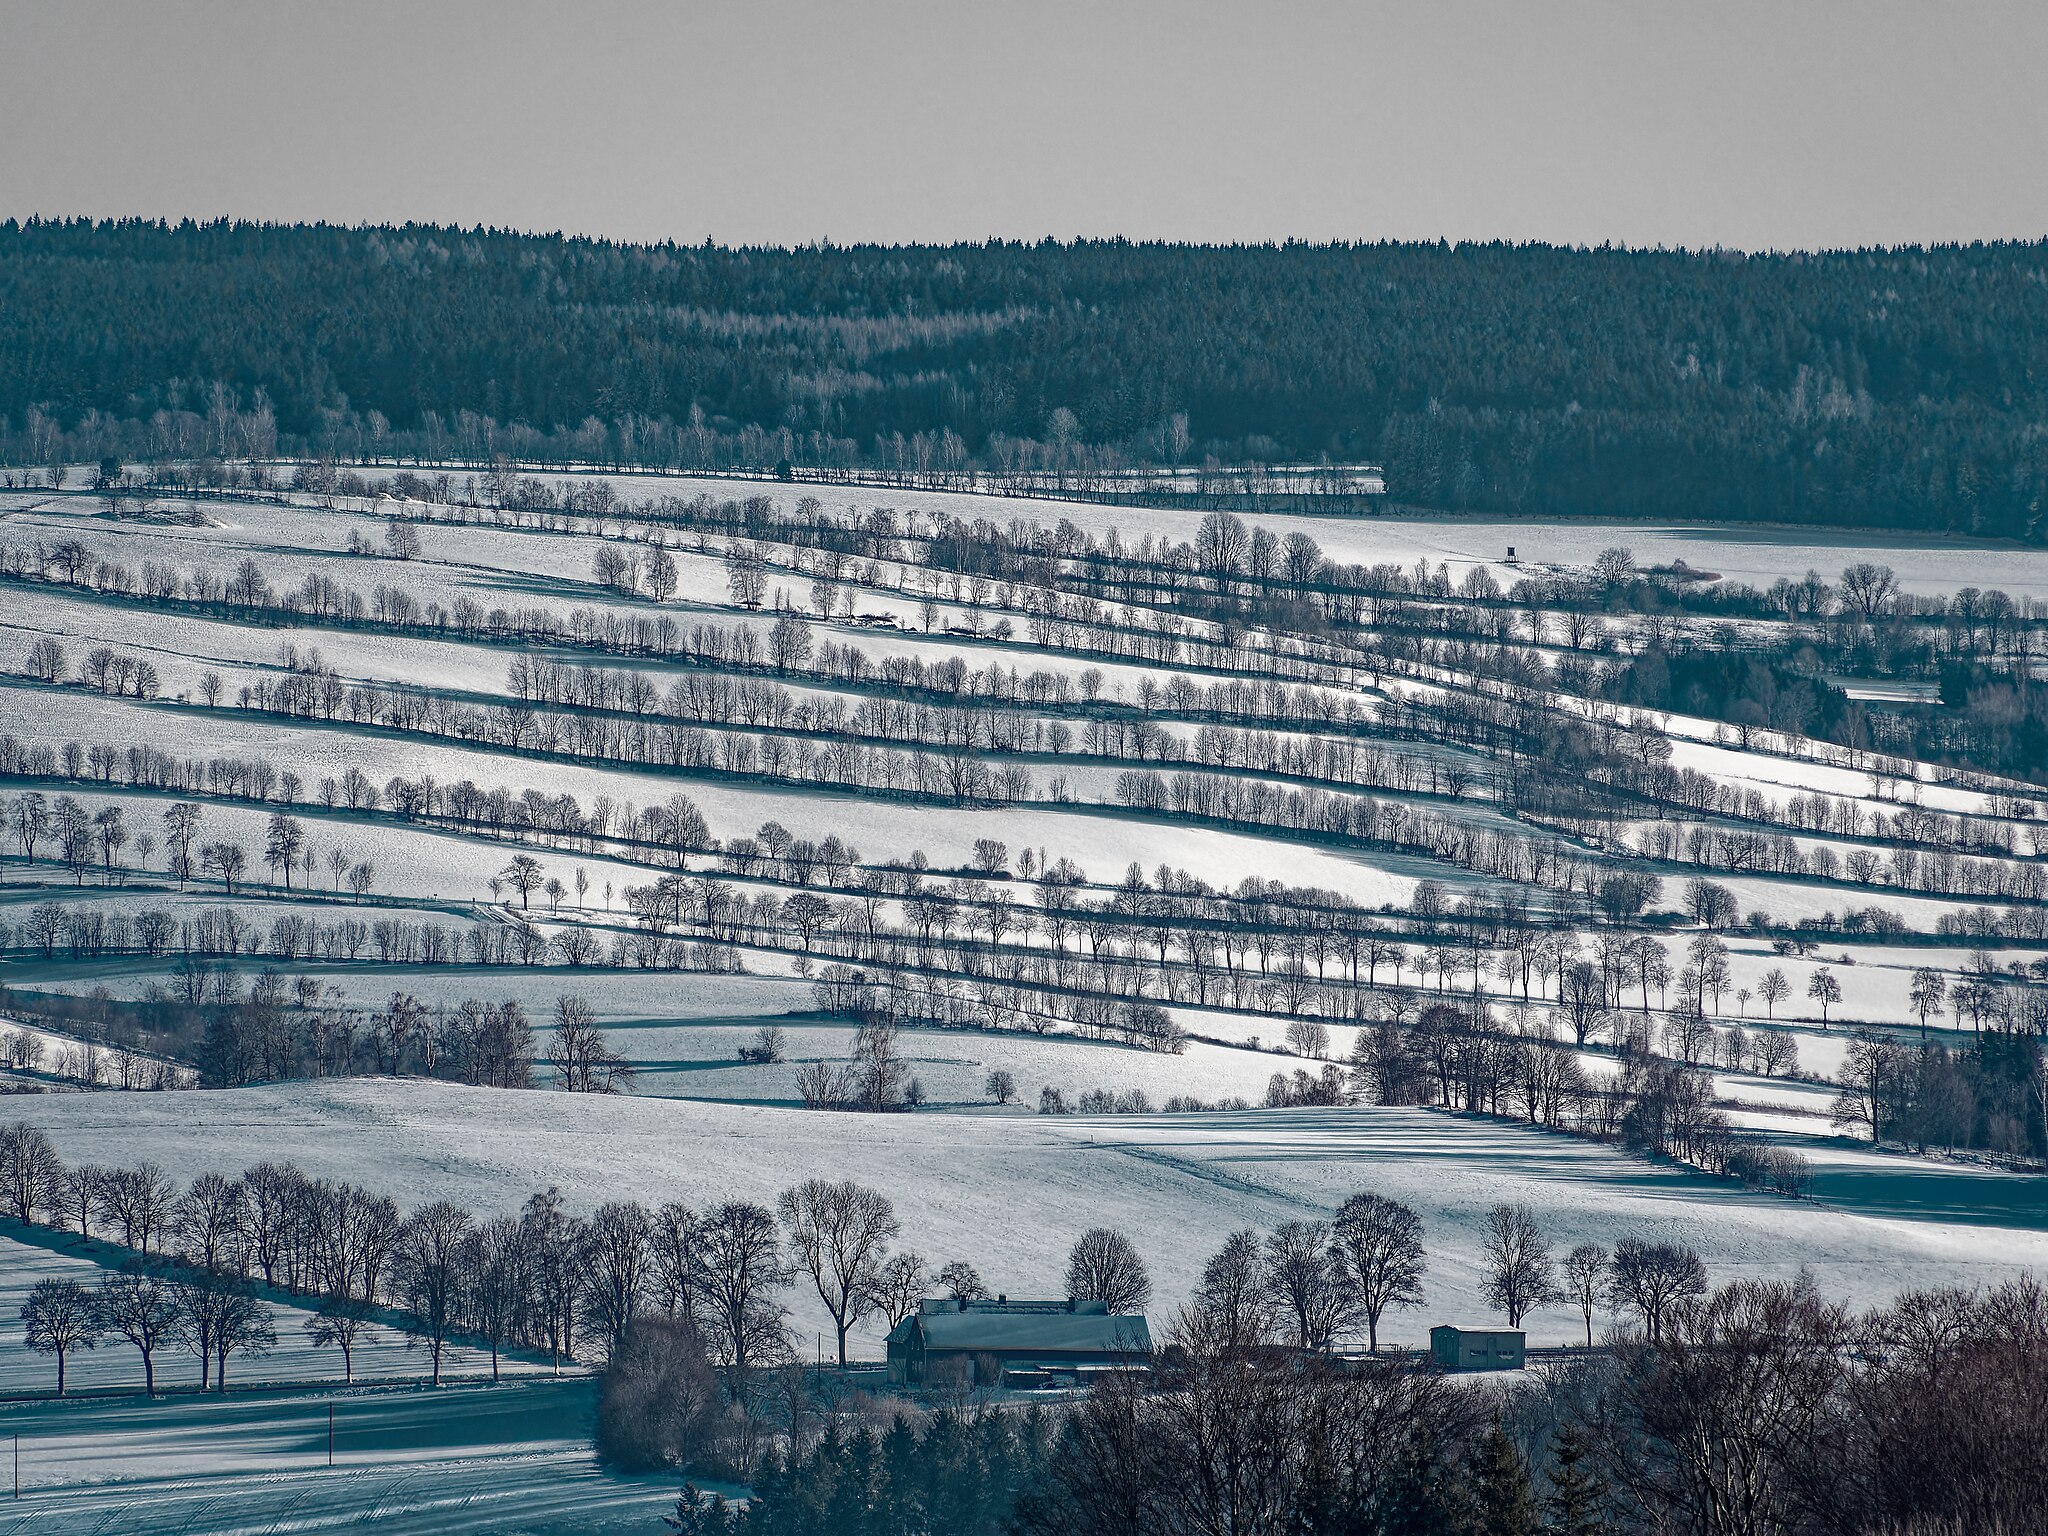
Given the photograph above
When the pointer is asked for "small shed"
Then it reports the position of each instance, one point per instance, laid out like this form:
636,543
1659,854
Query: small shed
1477,1349
1019,1342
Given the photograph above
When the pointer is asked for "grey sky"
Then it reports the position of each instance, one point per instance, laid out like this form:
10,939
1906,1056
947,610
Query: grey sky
1750,124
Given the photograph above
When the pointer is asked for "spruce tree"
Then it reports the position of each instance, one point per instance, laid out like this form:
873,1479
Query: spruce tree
1574,1504
1430,1494
698,1516
1504,1503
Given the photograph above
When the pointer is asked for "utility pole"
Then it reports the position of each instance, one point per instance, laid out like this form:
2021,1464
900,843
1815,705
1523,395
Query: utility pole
17,1465
330,1432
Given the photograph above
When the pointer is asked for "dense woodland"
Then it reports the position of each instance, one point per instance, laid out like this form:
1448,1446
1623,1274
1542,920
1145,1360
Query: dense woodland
1896,388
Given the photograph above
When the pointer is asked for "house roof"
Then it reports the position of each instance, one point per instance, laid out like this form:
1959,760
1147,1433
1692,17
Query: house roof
1453,1330
932,1304
1003,1331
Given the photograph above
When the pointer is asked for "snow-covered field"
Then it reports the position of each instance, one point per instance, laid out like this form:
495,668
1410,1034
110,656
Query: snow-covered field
702,1061
1758,555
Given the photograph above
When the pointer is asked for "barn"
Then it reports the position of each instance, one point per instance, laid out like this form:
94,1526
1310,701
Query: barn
1476,1349
1018,1343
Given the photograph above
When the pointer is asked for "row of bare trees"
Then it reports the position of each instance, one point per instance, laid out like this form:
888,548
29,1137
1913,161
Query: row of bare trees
544,1280
1181,695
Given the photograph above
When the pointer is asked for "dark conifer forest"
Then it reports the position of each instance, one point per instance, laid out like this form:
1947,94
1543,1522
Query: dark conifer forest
1901,388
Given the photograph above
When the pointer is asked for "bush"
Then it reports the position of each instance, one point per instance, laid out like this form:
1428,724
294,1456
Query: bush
658,1402
1762,1166
767,1046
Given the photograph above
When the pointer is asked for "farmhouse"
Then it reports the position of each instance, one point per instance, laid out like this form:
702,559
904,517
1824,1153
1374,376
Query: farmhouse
1020,1342
1476,1349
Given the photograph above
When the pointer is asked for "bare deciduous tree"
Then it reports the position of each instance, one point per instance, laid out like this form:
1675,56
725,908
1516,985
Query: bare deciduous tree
427,1276
1233,1294
577,1050
60,1316
1519,1276
901,1285
30,1172
841,1233
959,1281
741,1270
1585,1281
496,1283
1306,1280
339,1323
1104,1266
616,1257
1379,1244
1651,1279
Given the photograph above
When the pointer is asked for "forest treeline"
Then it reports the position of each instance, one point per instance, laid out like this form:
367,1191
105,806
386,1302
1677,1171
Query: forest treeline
1883,388
1761,1407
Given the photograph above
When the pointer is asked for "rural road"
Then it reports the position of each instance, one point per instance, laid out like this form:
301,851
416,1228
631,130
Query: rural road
511,1459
